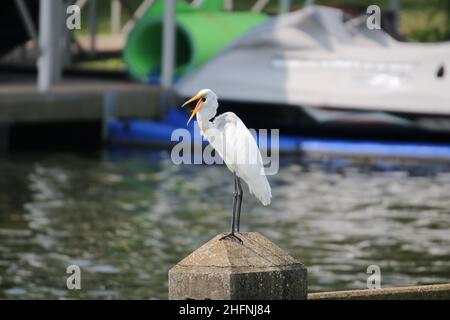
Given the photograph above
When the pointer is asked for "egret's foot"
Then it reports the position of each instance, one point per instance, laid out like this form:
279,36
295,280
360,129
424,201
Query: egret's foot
232,237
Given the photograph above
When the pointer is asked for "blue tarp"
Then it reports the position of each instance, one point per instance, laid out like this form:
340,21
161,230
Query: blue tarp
159,133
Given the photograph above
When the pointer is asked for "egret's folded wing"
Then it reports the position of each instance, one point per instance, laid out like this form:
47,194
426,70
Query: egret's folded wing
239,150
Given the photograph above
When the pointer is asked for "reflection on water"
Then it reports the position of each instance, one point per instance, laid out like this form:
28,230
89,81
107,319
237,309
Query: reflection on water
126,222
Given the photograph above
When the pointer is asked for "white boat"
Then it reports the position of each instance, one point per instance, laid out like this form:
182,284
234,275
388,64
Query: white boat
319,72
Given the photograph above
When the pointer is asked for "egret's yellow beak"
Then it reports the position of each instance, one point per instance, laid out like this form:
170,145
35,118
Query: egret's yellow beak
200,101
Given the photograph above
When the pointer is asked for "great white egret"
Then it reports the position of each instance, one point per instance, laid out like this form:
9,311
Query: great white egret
229,136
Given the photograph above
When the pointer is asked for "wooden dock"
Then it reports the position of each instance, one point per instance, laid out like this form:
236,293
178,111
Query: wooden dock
80,99
424,292
28,117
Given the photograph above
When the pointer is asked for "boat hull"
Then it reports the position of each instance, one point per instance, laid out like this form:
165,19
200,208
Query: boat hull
343,123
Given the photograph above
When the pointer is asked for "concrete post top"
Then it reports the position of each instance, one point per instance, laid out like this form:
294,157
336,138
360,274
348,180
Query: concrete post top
227,269
256,253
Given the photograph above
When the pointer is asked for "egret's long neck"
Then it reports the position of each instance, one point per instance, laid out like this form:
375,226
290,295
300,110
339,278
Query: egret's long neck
205,114
203,122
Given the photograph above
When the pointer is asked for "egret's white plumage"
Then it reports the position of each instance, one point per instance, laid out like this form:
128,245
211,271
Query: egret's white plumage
229,136
241,154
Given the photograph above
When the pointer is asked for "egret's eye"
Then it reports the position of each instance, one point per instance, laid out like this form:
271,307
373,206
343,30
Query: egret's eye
203,99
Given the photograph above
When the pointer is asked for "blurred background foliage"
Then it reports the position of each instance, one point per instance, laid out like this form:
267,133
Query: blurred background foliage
420,20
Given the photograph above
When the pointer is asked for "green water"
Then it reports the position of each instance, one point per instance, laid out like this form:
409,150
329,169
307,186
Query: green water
126,221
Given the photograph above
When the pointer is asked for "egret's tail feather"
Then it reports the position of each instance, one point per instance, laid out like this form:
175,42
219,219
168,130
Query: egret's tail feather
262,191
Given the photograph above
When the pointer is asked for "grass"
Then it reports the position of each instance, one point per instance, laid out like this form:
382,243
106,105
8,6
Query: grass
104,14
425,24
107,64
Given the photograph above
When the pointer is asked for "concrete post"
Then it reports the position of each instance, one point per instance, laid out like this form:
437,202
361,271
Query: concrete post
49,61
168,55
284,6
228,5
116,9
394,6
92,26
226,269
168,45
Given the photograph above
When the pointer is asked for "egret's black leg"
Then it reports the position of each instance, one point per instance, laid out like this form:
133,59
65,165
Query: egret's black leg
239,204
231,235
235,195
